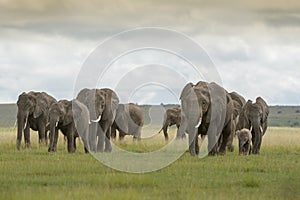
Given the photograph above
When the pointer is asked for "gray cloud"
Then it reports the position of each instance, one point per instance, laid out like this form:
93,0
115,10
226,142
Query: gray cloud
254,44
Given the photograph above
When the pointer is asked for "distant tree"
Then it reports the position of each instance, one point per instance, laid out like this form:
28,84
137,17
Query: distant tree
279,112
297,111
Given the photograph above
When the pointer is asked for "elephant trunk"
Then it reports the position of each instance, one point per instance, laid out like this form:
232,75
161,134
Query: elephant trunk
53,127
256,136
22,120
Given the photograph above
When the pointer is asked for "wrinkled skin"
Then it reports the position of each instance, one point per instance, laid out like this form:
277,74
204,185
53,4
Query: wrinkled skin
102,105
129,121
32,114
172,117
71,117
254,116
244,137
207,109
238,103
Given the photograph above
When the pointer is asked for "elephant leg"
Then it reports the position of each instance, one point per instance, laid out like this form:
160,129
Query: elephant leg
113,133
108,147
27,136
225,135
121,135
46,137
92,138
165,130
74,140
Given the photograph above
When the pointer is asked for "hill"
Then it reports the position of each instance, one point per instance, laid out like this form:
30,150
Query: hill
280,116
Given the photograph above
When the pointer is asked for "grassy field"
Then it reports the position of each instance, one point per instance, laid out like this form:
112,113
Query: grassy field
36,174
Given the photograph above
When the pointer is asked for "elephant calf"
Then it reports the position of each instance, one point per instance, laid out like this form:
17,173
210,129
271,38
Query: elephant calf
172,117
245,138
129,121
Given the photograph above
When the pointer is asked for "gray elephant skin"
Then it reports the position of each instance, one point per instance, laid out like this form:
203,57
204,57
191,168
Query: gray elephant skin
171,117
254,116
32,114
238,103
244,137
102,105
207,109
72,118
129,121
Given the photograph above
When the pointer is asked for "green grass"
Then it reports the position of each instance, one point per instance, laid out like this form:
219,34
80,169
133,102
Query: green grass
36,174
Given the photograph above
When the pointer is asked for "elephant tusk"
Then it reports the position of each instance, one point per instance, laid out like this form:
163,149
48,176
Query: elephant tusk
199,123
97,120
56,123
261,129
26,119
251,129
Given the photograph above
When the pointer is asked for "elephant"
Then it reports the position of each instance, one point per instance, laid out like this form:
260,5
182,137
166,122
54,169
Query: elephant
32,113
207,109
172,117
244,137
102,105
254,116
129,121
72,118
238,103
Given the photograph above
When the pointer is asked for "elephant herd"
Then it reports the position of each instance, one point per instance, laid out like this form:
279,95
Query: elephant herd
209,110
206,109
94,116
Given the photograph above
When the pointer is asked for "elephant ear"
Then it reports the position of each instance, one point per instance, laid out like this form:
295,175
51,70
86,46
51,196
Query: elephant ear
186,90
264,107
76,109
218,102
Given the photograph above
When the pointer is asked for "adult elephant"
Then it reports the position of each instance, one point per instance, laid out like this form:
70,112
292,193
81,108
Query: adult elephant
254,116
171,117
102,105
238,103
129,121
72,118
207,110
32,113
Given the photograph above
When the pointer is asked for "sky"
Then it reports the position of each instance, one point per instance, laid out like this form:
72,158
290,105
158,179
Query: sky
253,45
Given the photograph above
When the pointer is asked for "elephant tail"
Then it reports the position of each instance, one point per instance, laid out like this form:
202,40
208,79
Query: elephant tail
160,130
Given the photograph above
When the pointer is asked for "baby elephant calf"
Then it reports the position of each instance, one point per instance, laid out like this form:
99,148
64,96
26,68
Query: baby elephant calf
244,137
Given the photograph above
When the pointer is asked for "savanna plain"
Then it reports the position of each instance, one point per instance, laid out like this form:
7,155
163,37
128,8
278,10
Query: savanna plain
37,174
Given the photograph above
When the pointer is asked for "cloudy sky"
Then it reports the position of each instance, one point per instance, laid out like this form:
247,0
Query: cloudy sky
254,45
